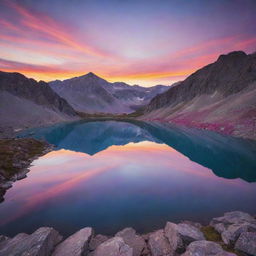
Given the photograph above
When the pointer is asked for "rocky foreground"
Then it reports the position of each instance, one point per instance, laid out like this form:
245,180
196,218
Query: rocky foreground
15,157
232,234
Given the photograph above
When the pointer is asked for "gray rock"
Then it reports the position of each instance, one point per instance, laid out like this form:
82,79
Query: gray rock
159,245
220,227
113,247
75,245
3,239
133,240
247,243
203,248
180,235
195,224
190,232
231,234
39,243
146,236
234,217
96,241
225,253
7,245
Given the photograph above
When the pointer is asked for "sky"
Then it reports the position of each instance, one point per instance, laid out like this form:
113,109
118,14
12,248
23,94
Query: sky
145,42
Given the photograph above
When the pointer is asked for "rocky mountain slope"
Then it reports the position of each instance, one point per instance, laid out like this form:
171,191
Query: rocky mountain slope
92,94
27,103
221,97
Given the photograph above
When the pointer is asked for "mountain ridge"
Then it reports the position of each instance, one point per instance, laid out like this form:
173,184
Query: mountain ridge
92,94
25,102
220,96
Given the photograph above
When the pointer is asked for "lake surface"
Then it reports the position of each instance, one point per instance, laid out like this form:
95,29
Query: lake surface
111,175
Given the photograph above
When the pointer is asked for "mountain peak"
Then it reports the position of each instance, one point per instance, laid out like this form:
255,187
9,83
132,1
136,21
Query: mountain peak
91,74
232,55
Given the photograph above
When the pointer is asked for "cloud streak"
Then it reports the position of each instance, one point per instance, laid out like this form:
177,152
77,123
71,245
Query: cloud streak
51,41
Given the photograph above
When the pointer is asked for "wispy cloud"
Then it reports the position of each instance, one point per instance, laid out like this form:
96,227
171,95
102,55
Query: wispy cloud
119,45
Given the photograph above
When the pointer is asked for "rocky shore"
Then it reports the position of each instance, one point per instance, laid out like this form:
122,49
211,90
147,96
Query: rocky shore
16,156
229,235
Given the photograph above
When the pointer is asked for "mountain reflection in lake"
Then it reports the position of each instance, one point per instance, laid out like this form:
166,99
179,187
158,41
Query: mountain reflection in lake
110,175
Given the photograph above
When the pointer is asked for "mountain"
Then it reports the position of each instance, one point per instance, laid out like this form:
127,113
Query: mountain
221,96
92,94
26,103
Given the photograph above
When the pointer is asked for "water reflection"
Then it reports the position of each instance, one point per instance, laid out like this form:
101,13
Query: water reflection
226,156
142,185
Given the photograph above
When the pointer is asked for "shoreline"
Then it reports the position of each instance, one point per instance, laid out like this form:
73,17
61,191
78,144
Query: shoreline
11,132
232,234
16,156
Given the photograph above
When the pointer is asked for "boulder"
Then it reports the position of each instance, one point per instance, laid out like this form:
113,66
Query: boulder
204,248
75,245
225,253
96,241
247,243
3,238
11,242
39,243
113,247
159,245
195,224
220,227
232,224
231,234
181,235
234,217
136,242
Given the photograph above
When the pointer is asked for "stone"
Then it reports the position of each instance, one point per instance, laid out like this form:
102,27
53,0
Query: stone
136,242
234,217
220,227
195,224
3,238
203,248
7,245
96,241
247,243
190,232
159,245
145,236
39,243
75,245
225,253
181,235
231,234
113,247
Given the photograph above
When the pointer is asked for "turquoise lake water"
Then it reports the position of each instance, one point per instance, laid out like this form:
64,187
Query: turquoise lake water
110,175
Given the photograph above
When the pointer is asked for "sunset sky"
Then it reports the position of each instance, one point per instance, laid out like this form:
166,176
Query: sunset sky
139,42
